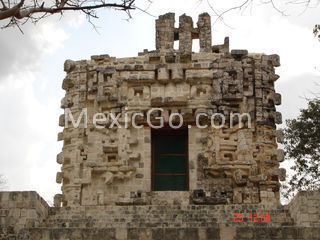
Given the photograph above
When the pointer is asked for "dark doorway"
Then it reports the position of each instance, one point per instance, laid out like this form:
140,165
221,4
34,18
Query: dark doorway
170,159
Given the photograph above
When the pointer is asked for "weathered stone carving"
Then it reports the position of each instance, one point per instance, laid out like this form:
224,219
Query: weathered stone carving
236,163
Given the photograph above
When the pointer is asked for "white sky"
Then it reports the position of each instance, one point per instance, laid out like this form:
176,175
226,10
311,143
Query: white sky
31,67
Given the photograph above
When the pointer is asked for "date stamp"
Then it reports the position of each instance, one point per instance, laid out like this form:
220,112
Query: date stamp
251,217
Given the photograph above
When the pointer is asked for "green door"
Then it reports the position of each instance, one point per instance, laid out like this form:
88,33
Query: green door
170,160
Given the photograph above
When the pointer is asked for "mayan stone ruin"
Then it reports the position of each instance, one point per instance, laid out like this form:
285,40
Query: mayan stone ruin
130,179
233,164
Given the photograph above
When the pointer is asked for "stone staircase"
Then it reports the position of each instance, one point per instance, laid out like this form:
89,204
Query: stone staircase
213,233
26,216
172,222
173,216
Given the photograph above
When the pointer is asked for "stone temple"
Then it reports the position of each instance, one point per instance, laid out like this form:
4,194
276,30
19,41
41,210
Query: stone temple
171,144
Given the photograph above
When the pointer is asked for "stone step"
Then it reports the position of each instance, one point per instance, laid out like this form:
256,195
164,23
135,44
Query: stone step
161,216
212,233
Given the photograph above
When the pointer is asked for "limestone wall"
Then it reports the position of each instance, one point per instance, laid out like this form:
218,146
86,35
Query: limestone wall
20,210
305,208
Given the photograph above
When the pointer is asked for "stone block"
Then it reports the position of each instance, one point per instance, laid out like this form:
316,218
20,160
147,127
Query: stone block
239,53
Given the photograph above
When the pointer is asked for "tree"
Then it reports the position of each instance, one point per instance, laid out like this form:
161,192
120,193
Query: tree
302,144
316,31
19,12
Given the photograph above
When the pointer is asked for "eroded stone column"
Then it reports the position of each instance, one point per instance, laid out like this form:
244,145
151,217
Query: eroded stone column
204,28
185,34
165,32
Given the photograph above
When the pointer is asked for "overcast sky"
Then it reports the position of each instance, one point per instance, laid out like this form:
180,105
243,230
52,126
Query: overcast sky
31,71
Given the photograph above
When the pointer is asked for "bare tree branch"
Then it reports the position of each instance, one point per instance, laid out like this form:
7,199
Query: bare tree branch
36,10
10,12
4,7
216,13
248,3
275,7
238,7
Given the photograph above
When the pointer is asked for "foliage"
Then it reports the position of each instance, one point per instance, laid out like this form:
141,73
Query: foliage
302,144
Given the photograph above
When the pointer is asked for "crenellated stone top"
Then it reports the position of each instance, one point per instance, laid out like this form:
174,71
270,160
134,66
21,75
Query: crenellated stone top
166,33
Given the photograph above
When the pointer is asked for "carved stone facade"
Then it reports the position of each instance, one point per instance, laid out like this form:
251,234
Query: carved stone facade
237,163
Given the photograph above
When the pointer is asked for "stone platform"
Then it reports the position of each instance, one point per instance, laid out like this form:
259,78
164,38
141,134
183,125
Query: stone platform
214,233
25,215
